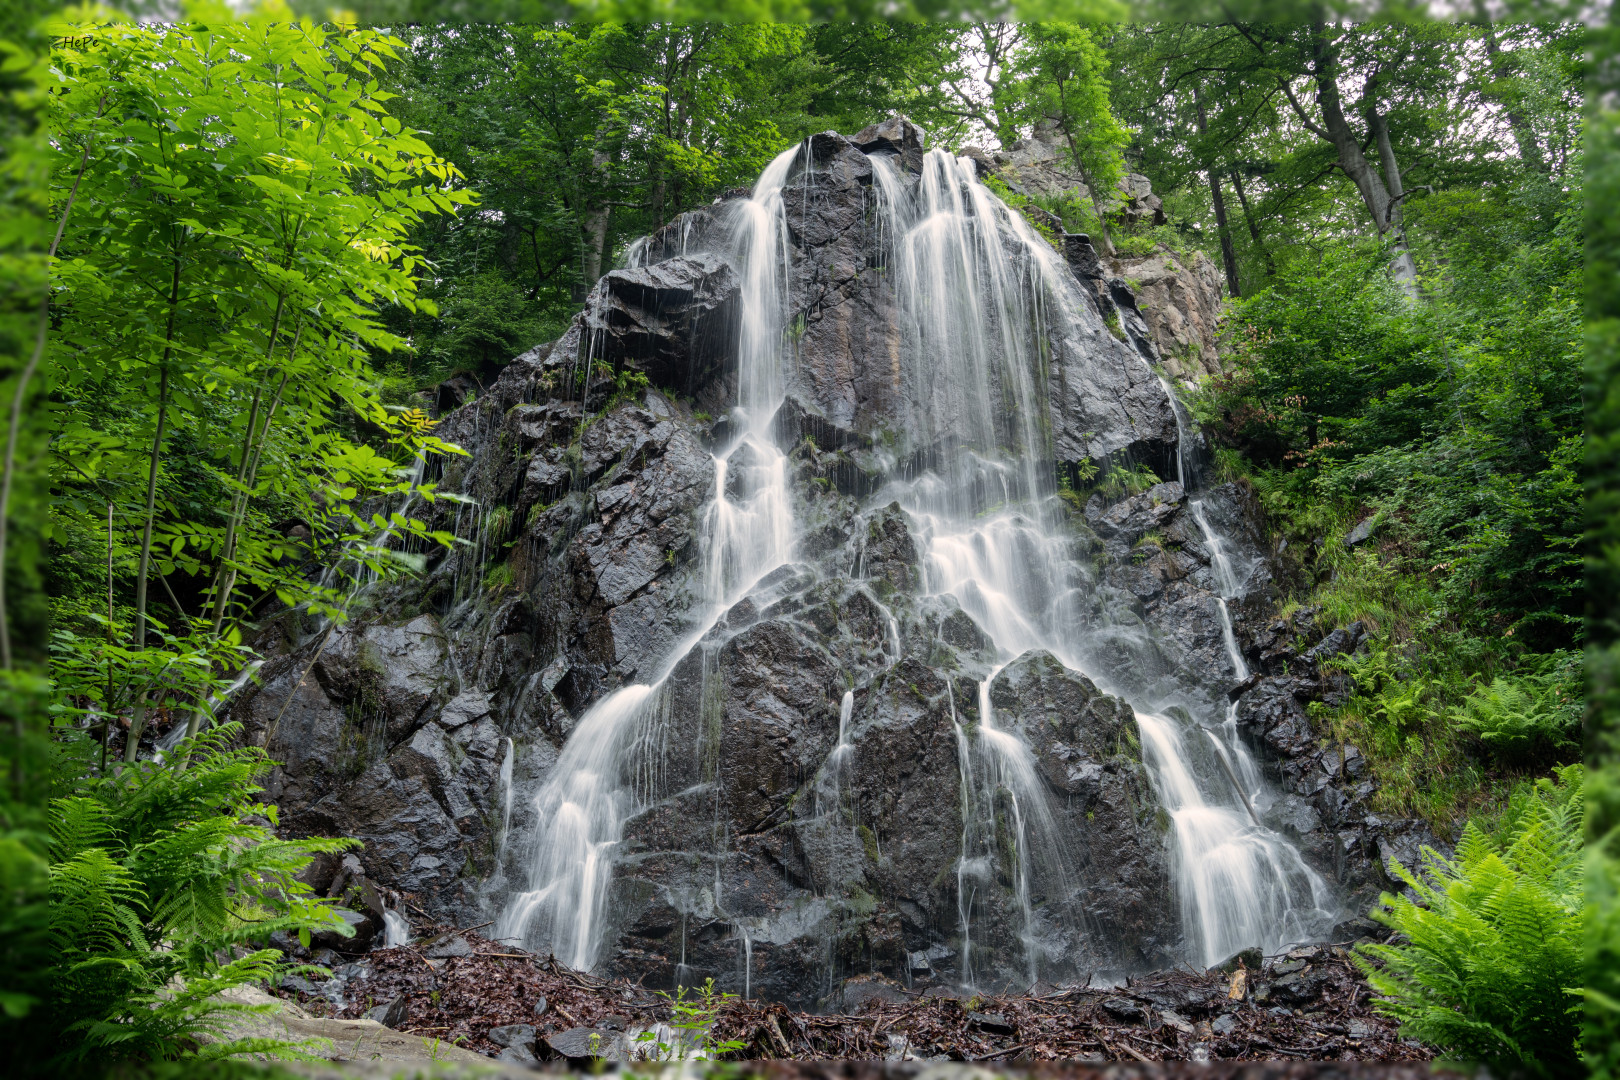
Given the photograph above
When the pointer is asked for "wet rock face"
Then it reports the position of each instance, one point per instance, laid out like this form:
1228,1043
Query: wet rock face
1087,749
897,135
771,842
1326,786
676,321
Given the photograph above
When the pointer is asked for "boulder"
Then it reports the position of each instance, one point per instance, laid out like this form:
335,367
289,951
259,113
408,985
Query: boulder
896,135
391,1015
675,321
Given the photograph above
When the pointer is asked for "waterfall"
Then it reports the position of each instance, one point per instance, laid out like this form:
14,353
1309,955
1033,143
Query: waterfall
747,531
396,929
974,285
506,792
827,794
983,304
1239,883
982,300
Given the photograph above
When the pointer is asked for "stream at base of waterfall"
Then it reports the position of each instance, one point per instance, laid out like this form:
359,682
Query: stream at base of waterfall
981,301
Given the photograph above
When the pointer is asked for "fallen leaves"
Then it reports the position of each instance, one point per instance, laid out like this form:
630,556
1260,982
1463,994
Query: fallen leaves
1307,1005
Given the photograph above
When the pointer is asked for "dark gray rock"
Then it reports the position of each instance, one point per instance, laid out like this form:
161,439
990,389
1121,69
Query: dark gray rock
896,135
465,708
992,1023
452,945
675,321
582,1043
1128,520
358,941
391,1015
1124,1009
1361,533
512,1035
1087,748
521,1054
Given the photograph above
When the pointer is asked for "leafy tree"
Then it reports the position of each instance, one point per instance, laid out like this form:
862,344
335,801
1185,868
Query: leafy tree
1241,107
26,755
1601,394
578,139
242,203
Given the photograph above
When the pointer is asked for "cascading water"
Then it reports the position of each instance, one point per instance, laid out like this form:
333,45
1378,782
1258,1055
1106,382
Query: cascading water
982,299
975,317
396,929
832,772
983,305
599,780
505,776
1239,883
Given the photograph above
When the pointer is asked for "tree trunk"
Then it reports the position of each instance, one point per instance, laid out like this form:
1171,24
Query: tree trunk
138,720
594,230
1228,256
593,227
1404,268
247,473
1254,226
1336,130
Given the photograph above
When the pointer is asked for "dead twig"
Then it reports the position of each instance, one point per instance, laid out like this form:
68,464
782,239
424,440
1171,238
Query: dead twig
1003,1053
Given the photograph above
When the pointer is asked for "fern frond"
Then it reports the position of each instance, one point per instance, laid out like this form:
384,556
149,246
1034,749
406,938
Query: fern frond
1492,942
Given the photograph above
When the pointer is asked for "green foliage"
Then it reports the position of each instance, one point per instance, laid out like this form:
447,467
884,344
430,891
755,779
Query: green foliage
1530,717
1466,104
240,204
1120,480
1458,419
1489,961
1601,393
692,1020
500,577
161,884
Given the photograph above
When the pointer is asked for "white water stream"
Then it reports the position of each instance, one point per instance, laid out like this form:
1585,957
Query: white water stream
747,531
983,298
983,303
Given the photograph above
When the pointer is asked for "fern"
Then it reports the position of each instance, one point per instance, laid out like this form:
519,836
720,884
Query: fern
1120,481
1492,951
160,886
1528,718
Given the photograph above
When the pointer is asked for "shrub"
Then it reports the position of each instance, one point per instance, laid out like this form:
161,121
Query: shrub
1489,955
161,884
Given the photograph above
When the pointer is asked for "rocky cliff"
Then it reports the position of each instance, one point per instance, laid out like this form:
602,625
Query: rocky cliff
805,804
1178,296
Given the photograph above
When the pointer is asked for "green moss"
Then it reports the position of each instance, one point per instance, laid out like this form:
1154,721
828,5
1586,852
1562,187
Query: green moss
869,842
500,576
1111,320
1129,743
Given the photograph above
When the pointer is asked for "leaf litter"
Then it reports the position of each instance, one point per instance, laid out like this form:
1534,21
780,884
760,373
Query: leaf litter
1307,1005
